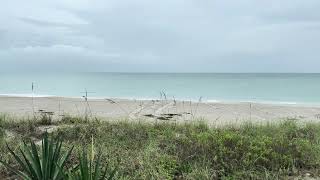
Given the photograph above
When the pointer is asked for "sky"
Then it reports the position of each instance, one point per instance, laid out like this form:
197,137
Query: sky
160,35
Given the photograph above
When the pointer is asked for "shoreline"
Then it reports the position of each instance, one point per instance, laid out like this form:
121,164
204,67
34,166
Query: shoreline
212,101
220,113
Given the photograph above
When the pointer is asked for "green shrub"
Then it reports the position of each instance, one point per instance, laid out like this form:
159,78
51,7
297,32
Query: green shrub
90,169
197,151
44,165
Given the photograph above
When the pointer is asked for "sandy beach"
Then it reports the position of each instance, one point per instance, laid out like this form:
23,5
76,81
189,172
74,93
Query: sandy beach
161,110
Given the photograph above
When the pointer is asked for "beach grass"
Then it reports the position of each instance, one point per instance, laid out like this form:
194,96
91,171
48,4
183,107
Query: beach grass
194,150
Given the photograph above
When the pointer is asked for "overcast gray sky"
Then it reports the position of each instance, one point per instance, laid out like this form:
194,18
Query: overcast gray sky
160,35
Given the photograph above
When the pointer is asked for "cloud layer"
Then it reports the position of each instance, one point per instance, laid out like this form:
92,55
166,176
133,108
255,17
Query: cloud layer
160,35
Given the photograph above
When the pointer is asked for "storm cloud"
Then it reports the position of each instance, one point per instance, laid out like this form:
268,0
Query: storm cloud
160,35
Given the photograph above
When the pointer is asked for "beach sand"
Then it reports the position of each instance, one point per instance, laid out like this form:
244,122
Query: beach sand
158,110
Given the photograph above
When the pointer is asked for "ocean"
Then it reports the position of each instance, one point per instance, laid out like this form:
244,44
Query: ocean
209,87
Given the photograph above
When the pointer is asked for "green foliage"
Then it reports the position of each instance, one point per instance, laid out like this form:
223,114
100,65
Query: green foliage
43,165
2,133
72,120
24,127
196,151
45,118
88,169
192,150
2,128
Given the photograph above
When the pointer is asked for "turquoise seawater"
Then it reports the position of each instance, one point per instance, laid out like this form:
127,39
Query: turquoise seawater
267,88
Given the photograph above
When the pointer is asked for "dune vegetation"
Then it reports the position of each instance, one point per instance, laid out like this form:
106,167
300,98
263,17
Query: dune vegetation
122,149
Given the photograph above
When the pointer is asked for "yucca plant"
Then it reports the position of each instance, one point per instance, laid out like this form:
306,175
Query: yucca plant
90,168
47,164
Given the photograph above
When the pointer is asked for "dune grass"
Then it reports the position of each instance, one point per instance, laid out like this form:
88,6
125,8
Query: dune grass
188,151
